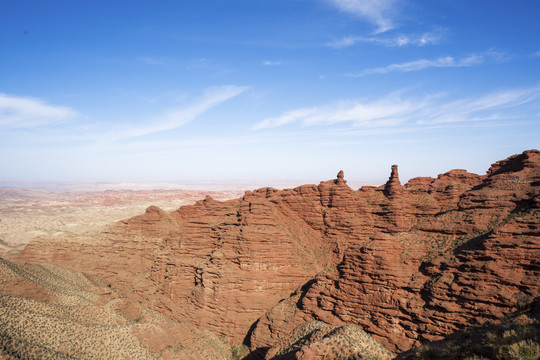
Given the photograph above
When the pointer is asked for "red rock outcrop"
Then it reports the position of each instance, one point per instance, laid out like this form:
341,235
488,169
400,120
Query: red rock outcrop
458,250
393,185
221,265
405,263
317,340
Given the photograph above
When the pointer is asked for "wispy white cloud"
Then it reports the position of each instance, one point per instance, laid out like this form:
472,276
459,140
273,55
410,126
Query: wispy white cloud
153,60
536,53
272,62
30,113
177,117
378,12
421,64
492,106
24,112
395,110
396,41
441,62
381,112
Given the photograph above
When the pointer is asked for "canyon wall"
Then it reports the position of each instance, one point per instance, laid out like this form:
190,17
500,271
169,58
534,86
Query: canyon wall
406,263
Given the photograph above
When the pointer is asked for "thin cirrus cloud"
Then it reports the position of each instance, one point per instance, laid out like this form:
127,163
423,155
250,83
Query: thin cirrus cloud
441,62
378,12
25,112
396,111
272,62
381,112
29,113
177,117
508,104
397,41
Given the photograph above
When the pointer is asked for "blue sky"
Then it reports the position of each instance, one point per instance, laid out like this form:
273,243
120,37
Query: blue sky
238,90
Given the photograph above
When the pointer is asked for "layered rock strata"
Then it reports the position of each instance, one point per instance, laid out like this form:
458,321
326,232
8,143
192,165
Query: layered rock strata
220,265
452,252
407,263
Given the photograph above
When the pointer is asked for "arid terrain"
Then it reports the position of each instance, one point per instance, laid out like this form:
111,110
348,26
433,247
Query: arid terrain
60,210
436,268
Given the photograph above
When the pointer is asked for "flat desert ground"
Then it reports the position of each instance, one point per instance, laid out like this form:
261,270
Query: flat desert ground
31,211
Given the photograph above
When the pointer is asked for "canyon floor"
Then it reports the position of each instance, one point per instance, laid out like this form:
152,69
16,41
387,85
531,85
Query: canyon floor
437,268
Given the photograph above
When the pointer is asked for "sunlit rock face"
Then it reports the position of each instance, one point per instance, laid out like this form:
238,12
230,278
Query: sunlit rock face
221,265
452,252
405,263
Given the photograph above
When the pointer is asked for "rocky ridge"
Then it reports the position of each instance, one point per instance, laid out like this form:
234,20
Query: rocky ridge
446,261
406,263
317,340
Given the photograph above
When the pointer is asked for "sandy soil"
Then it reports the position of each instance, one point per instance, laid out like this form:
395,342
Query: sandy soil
59,210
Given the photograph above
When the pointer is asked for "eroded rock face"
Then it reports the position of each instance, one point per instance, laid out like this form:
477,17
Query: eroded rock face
317,340
221,265
406,263
457,250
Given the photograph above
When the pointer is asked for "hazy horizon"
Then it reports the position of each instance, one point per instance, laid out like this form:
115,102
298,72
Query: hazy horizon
74,185
288,90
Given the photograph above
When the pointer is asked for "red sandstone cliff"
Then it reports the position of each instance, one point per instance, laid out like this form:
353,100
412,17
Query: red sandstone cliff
455,251
221,265
406,263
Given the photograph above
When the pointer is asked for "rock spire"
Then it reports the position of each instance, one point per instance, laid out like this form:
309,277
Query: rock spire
340,177
393,185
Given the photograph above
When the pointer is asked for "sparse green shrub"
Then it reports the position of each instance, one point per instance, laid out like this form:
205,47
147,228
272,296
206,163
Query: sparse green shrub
522,350
524,301
515,339
238,352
